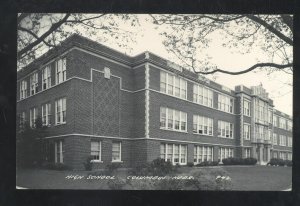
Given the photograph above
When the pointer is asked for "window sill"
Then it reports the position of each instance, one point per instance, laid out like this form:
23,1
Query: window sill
96,161
226,137
171,130
60,124
210,135
117,161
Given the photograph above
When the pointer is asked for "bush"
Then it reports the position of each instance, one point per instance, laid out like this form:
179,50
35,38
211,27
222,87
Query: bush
289,163
280,162
88,165
116,184
239,161
158,167
250,161
190,164
113,167
207,180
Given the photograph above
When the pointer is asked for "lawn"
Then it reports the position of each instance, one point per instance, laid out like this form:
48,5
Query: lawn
257,178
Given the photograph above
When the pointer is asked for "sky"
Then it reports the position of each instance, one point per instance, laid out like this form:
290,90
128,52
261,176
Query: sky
148,39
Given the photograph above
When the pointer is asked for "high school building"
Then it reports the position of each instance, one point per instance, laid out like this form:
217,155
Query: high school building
97,101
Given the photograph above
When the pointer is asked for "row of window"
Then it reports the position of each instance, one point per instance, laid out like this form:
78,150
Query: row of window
283,123
60,114
60,76
177,120
173,119
283,155
177,153
177,86
96,151
283,140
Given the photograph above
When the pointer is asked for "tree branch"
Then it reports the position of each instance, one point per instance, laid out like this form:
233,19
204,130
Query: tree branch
35,36
271,29
21,17
288,20
278,66
42,37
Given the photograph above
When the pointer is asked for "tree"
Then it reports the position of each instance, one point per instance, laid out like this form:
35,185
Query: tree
187,35
29,143
37,33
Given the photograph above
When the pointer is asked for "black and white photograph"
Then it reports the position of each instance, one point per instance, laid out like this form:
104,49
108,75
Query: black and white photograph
115,101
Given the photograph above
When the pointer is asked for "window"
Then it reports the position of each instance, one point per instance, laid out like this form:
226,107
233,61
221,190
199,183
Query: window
22,120
289,125
275,122
34,83
46,77
247,152
23,89
116,151
290,141
282,155
225,103
225,129
172,85
282,140
262,132
96,150
33,115
275,155
247,131
202,125
60,111
202,95
225,153
202,154
282,123
59,151
174,153
270,116
290,156
261,111
275,139
172,119
60,71
247,106
46,114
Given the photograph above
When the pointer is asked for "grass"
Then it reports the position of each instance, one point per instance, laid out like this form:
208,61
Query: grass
255,178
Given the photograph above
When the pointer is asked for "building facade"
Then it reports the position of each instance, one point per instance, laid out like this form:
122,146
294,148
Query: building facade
97,101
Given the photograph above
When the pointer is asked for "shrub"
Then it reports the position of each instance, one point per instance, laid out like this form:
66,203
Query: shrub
88,165
239,161
116,184
207,180
208,163
281,162
141,169
214,163
158,167
273,162
250,161
113,167
190,164
289,163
